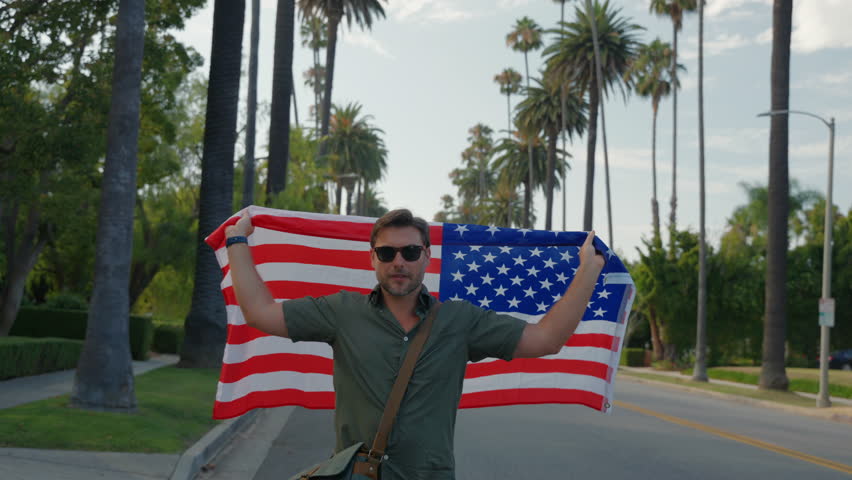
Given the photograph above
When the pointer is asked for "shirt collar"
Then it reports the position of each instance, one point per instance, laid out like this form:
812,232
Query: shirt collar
424,299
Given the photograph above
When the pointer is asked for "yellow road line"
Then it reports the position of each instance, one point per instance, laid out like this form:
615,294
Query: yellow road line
741,438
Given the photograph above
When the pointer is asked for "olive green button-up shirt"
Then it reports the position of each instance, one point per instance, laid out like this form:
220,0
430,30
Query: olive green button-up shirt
369,347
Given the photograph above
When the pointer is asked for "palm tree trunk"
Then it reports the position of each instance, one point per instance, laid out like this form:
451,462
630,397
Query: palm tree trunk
590,154
656,343
206,323
562,106
282,79
509,115
552,138
104,377
673,202
251,114
655,205
772,373
333,22
317,94
700,370
21,257
528,198
293,94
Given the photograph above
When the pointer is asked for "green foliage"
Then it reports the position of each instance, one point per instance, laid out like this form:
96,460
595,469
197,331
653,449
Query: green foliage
633,357
305,179
168,338
44,322
66,301
20,356
168,295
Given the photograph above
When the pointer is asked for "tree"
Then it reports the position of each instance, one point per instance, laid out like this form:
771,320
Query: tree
282,87
700,370
571,58
510,83
651,77
564,114
526,37
675,10
541,111
333,11
251,109
104,378
512,161
314,35
205,325
773,374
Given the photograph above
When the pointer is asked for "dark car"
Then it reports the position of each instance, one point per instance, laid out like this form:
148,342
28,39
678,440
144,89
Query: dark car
841,359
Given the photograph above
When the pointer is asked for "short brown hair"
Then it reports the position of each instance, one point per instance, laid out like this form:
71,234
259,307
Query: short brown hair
400,218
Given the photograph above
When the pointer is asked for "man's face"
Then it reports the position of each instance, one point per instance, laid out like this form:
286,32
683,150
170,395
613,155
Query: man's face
400,277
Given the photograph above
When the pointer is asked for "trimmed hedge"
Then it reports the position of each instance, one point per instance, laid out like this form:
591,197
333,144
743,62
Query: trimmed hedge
48,322
168,338
633,357
21,356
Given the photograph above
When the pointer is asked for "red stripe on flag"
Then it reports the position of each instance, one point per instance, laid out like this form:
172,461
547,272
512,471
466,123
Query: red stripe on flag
271,399
291,289
599,340
538,365
358,260
239,334
530,396
276,362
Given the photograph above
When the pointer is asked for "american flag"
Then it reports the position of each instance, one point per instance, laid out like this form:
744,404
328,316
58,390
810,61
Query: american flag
519,272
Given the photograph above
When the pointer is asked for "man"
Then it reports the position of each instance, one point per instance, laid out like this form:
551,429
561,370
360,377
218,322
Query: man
370,335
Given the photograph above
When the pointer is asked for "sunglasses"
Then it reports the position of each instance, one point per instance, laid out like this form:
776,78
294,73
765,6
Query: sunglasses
410,253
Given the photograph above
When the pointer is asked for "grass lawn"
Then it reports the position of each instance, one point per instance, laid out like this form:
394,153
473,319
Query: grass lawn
836,377
801,379
174,411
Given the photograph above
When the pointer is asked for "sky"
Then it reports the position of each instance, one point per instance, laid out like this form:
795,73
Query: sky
425,75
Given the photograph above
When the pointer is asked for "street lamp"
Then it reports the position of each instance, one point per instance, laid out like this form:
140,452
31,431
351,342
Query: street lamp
826,302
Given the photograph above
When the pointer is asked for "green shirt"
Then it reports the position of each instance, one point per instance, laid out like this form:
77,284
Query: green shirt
369,346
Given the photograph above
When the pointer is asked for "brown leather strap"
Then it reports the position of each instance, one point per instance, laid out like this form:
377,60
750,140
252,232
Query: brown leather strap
401,383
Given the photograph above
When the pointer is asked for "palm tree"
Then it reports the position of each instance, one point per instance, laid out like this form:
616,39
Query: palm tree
564,146
772,373
205,325
652,79
572,59
504,205
700,370
510,83
282,87
511,162
251,110
673,9
541,111
333,11
314,35
356,152
104,378
526,37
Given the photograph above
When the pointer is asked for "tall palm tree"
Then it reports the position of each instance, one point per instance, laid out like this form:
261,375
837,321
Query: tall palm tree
572,58
700,370
564,146
104,378
652,79
675,10
282,87
772,373
333,11
510,83
206,323
504,205
251,109
314,35
511,161
356,151
541,111
526,37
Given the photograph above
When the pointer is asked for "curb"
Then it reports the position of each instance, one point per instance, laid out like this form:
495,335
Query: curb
204,450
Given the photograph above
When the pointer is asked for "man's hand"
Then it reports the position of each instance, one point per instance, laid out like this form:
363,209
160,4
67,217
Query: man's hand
243,227
590,260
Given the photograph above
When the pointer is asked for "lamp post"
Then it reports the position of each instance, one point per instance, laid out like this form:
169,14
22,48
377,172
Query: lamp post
823,399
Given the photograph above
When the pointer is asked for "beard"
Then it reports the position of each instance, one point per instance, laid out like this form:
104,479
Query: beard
396,287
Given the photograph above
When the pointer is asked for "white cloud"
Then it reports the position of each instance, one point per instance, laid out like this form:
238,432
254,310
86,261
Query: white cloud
731,8
716,46
819,24
365,40
741,140
509,4
765,37
425,11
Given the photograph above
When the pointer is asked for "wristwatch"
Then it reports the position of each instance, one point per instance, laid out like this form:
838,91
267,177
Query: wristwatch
235,239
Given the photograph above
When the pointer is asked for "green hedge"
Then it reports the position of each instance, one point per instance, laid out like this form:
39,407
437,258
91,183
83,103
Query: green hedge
47,322
21,356
168,338
633,357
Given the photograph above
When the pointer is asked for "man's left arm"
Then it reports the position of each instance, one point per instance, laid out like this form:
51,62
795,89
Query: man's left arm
549,335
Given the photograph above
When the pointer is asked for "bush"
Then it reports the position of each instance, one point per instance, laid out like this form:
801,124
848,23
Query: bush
45,322
633,357
168,338
66,301
20,357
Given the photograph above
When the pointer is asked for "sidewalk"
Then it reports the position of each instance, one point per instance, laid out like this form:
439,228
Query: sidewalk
36,464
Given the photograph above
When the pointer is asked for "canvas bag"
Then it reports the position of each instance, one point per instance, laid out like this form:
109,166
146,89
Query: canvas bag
356,462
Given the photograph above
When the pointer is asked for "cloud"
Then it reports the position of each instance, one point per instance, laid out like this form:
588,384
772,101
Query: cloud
716,46
365,40
427,11
509,4
732,8
740,140
819,24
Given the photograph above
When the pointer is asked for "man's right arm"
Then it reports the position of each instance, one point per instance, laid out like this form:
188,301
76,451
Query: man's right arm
259,308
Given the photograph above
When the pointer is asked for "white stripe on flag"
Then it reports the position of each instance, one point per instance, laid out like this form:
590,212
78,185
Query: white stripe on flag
265,382
509,381
341,276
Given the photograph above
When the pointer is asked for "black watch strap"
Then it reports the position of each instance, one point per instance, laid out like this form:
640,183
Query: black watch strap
235,239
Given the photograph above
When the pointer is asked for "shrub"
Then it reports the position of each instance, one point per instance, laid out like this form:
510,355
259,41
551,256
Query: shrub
21,356
66,301
168,338
633,357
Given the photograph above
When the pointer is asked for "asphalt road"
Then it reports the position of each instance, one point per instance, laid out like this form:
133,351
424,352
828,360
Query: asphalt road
655,432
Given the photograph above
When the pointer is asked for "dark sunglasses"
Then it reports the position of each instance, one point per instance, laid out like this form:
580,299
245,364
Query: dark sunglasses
410,253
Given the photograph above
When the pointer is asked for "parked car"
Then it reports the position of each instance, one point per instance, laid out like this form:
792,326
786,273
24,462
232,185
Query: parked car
841,359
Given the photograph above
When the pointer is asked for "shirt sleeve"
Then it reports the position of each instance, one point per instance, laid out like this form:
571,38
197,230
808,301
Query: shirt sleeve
311,319
493,335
